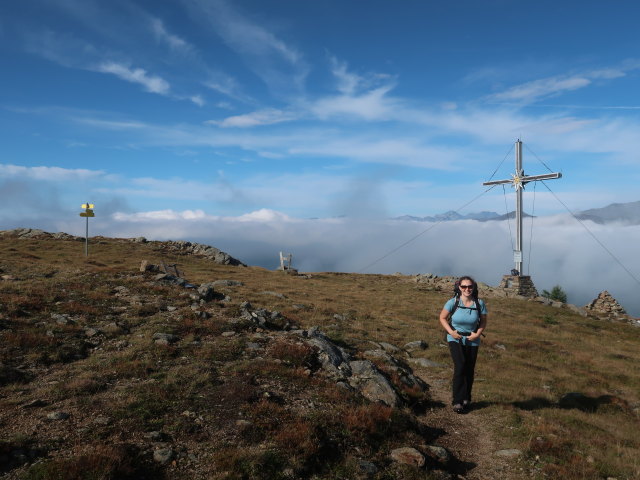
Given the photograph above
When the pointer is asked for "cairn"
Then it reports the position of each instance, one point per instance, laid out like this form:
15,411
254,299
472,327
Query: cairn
607,307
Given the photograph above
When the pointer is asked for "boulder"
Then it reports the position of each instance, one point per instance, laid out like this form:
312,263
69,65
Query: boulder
373,385
408,456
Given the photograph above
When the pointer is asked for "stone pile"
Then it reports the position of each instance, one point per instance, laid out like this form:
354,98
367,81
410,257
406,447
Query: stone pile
606,306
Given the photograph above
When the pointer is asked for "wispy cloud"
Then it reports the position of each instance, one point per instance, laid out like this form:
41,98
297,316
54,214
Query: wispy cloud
50,174
268,116
151,83
280,65
174,42
534,90
372,105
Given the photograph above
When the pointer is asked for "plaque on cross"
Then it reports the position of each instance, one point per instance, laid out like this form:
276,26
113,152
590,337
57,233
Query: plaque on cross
518,180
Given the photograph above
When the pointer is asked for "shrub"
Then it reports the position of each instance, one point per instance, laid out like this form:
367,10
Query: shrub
556,294
104,462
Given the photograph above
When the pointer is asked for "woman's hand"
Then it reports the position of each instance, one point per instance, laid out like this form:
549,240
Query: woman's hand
455,335
473,336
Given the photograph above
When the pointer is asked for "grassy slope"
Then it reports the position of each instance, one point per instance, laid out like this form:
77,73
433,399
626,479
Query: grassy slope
532,357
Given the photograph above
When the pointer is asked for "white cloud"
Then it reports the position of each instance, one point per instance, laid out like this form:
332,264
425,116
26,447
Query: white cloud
160,216
264,215
261,117
534,90
174,42
140,76
280,65
372,105
531,91
348,82
198,100
51,174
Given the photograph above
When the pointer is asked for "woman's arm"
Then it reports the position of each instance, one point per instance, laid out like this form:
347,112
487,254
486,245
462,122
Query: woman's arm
444,321
481,327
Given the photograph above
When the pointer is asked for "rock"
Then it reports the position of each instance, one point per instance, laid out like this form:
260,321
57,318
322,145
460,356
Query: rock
62,319
206,251
373,385
36,404
227,283
114,329
416,345
145,266
575,309
408,456
58,416
91,332
273,294
509,453
102,420
423,362
334,359
64,236
228,334
387,347
155,436
165,338
163,455
606,306
206,293
367,467
440,454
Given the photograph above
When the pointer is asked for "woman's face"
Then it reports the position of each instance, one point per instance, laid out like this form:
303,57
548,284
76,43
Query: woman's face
466,288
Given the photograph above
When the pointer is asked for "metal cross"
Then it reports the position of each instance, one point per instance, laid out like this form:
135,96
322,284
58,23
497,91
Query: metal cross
519,180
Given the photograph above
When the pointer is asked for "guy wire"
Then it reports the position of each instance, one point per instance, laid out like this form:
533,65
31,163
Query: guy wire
421,233
506,209
538,158
593,235
533,215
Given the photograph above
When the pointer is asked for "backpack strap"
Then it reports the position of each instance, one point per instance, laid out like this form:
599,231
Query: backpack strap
456,303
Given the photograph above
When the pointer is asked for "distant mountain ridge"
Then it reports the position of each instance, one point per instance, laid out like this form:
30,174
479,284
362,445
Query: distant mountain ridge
616,212
452,216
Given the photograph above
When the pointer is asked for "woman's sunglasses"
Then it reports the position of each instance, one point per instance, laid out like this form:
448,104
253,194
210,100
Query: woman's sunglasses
466,286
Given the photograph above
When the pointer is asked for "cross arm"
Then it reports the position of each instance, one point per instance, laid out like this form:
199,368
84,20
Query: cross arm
526,178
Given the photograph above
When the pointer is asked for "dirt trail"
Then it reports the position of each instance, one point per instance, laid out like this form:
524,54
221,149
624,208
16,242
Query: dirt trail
468,437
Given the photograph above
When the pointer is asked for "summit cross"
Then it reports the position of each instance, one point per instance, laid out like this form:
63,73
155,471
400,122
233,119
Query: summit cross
519,180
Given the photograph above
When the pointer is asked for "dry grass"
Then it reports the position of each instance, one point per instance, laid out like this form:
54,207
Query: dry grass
532,357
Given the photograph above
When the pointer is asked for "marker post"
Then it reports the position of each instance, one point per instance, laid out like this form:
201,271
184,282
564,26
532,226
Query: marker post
88,212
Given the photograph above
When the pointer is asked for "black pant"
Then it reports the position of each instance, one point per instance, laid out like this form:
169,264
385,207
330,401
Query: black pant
464,363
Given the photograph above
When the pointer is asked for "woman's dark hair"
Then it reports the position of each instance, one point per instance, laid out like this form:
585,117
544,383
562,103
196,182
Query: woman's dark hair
474,290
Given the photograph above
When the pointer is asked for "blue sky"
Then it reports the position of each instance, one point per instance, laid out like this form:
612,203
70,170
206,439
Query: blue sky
313,109
235,122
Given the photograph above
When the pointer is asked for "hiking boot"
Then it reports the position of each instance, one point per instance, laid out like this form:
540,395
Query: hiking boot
458,408
466,404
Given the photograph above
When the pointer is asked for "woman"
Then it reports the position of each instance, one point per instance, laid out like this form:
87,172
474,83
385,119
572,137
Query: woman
464,317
